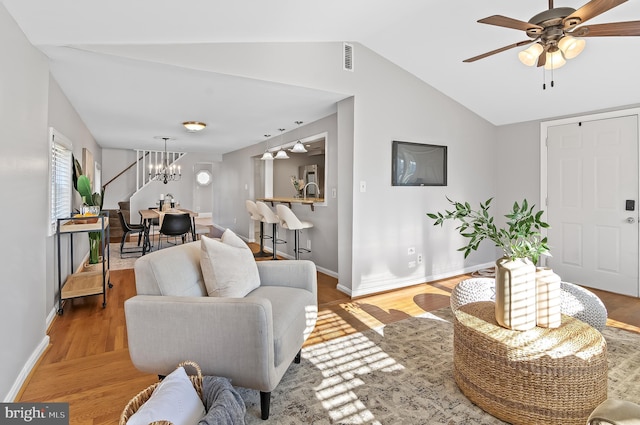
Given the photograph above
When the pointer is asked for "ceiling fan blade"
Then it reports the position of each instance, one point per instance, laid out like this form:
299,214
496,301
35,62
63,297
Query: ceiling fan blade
613,29
542,59
504,21
593,9
502,49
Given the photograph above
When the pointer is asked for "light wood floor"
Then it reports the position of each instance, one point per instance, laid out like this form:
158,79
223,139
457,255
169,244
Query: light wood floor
87,363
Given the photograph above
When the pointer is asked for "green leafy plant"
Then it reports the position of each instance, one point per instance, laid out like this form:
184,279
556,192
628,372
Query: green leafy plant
82,184
520,239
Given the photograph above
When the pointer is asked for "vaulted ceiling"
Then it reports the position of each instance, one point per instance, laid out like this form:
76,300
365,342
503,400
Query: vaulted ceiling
125,103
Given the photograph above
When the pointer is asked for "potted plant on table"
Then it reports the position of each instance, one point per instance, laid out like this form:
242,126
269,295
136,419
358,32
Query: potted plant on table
82,184
521,243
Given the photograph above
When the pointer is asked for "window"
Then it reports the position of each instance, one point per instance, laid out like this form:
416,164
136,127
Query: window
59,178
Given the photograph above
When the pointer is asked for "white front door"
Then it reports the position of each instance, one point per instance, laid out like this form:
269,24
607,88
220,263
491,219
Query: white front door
592,182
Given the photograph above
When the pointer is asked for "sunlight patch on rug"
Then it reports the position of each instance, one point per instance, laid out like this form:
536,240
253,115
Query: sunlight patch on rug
402,373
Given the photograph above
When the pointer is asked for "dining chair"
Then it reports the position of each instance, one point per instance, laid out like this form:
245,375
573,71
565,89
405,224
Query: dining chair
127,229
174,225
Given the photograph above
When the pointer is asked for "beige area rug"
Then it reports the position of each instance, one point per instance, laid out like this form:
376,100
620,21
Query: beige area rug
402,374
118,263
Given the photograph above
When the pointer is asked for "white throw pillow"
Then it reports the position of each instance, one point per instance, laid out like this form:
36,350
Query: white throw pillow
174,400
228,267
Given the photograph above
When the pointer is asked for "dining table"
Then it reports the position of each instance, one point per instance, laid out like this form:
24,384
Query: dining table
149,215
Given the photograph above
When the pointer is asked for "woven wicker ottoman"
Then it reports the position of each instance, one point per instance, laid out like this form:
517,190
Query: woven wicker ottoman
540,376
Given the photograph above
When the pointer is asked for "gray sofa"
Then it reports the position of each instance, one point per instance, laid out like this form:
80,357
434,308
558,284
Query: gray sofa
251,340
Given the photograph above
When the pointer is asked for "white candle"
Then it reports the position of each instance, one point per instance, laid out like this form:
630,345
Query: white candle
162,196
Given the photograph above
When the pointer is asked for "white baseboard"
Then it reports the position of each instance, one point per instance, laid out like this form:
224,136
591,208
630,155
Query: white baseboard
291,257
389,285
26,370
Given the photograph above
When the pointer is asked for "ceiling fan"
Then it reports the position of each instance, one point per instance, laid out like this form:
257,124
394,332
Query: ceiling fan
556,33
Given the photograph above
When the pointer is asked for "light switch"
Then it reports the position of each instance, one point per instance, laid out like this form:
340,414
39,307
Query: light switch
363,186
333,192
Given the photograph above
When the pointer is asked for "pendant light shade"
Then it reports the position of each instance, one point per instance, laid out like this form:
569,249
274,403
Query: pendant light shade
282,154
267,156
298,147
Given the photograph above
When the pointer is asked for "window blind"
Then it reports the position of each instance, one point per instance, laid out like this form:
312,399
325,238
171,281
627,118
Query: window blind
61,184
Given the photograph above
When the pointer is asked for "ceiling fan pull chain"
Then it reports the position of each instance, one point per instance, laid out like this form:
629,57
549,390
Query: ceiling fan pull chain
544,80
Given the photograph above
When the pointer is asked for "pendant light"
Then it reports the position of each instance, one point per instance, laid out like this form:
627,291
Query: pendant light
298,147
281,153
267,156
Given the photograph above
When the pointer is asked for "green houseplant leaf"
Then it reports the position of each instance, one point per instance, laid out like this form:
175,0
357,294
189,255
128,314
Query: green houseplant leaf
521,238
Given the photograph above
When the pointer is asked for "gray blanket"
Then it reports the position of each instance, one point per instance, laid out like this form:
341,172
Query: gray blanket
222,402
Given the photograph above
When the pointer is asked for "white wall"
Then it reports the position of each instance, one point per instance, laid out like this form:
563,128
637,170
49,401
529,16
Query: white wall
64,118
518,174
389,104
235,184
24,80
116,160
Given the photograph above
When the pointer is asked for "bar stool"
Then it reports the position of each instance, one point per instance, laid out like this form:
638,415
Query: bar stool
290,221
255,215
270,217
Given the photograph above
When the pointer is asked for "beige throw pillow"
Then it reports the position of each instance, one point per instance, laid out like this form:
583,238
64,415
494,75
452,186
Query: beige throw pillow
228,267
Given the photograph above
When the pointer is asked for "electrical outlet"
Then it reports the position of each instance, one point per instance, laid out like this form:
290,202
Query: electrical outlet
363,186
419,259
412,264
411,251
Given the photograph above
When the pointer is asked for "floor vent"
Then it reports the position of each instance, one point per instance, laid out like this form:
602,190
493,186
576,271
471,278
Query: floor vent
348,57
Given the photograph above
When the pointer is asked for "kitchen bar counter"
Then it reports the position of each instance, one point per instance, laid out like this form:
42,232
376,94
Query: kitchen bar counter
289,201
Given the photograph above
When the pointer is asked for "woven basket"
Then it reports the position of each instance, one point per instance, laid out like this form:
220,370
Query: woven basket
540,376
141,398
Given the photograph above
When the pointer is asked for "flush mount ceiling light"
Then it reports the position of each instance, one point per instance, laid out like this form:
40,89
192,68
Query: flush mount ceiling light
267,156
298,147
193,126
281,153
555,33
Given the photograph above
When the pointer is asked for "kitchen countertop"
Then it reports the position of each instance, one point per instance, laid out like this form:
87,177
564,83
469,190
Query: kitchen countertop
283,200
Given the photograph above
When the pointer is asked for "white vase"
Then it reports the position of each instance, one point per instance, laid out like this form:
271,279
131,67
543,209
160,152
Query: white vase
516,294
548,301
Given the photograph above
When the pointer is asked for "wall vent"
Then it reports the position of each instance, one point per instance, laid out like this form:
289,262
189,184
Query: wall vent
348,57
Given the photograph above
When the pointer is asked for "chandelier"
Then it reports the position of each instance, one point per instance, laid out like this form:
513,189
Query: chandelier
163,171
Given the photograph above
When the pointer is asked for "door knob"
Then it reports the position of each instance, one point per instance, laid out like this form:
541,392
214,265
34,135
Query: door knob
631,220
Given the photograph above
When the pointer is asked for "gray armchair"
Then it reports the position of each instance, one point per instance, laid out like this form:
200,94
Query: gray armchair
251,340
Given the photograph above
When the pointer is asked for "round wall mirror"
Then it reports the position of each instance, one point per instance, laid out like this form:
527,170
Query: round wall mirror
203,178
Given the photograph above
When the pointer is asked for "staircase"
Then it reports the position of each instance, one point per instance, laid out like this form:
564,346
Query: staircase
144,159
147,160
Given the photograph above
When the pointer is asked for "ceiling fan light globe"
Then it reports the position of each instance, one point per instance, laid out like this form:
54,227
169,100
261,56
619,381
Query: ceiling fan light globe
267,156
571,46
529,56
555,60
